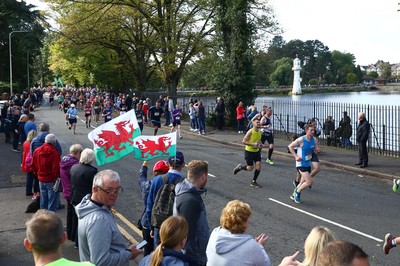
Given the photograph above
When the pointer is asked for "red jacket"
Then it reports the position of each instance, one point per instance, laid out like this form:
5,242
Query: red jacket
240,112
26,147
46,163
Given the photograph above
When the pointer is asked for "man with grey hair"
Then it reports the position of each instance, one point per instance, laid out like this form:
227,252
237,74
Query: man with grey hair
46,166
44,237
44,129
362,138
100,241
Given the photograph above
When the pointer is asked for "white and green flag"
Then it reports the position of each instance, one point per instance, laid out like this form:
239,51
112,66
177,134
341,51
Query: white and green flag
150,147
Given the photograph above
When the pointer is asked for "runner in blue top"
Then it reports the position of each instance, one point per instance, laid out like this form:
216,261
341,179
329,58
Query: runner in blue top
306,146
71,116
107,113
176,120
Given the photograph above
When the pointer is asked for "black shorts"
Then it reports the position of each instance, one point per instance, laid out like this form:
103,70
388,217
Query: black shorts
86,115
303,169
97,111
314,158
252,157
156,123
267,137
176,123
72,121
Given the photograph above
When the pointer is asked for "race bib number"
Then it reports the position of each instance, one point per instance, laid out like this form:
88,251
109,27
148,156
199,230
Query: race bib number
140,120
308,156
156,114
109,117
178,118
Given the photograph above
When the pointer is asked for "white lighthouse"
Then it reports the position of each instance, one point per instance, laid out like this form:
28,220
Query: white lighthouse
296,79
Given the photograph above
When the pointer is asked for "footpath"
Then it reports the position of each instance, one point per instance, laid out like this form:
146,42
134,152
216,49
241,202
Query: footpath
13,201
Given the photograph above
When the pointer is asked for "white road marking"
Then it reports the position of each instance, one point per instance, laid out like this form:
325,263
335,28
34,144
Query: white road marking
208,173
326,220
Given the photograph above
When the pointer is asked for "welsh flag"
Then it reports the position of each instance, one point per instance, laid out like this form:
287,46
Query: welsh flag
150,147
114,139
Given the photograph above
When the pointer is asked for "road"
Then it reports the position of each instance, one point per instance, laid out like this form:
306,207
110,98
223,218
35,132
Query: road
359,209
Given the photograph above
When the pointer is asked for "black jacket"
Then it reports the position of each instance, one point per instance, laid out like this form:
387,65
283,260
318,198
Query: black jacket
363,131
81,181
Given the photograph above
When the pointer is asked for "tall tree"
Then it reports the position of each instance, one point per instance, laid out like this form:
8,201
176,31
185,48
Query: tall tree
235,27
18,16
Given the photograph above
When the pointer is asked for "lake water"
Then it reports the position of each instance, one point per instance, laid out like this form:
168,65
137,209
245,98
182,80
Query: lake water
382,109
364,97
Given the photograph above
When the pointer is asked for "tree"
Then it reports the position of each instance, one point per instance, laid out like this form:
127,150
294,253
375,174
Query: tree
17,16
282,74
235,28
343,63
385,69
351,78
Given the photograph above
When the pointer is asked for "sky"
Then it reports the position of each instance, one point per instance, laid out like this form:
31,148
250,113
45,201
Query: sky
368,29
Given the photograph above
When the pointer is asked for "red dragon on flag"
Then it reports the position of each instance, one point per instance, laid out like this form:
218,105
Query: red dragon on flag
149,147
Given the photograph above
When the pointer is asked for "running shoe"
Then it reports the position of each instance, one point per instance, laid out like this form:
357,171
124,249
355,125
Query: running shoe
180,137
254,184
295,183
388,243
395,185
269,162
237,169
16,150
295,196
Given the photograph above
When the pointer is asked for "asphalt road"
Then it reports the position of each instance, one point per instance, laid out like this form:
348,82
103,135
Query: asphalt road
359,209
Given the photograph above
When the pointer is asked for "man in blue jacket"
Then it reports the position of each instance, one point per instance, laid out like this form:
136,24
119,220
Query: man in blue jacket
176,164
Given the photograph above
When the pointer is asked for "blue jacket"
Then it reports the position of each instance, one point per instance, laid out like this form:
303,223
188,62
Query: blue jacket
39,141
189,204
144,185
156,185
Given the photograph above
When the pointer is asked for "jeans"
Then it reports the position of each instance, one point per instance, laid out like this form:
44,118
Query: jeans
201,124
49,199
346,142
193,123
157,240
29,183
241,124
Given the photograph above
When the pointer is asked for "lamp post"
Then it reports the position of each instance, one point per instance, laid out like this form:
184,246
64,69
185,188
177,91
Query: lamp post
9,45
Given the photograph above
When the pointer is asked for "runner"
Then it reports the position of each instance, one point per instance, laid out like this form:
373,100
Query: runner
51,99
88,114
60,100
139,115
71,114
107,113
154,115
96,109
65,107
252,153
176,120
306,145
267,135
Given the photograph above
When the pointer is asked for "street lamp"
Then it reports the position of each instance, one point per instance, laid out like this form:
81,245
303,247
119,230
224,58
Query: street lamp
9,44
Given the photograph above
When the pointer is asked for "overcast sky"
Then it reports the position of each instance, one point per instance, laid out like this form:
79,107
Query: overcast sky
369,29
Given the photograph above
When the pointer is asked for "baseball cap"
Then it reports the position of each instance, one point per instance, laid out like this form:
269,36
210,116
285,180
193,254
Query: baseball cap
176,160
161,166
72,105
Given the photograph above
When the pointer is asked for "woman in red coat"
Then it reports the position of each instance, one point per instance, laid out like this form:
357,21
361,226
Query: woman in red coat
31,179
240,117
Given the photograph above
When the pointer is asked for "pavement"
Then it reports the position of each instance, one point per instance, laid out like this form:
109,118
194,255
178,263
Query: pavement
13,202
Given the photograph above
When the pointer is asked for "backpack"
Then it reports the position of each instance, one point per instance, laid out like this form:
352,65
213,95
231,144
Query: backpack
164,202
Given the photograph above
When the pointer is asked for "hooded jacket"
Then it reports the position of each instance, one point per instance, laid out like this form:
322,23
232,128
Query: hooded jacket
170,257
46,163
65,167
225,248
100,241
189,204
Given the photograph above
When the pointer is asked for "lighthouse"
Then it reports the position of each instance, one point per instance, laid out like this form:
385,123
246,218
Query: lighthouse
296,79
